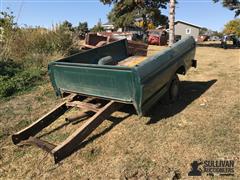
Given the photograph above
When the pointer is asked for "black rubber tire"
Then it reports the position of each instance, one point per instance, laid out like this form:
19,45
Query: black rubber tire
172,94
107,60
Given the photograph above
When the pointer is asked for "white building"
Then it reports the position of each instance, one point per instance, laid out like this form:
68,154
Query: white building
108,27
183,29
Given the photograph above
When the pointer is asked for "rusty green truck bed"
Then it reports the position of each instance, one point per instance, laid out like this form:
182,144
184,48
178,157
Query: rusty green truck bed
140,85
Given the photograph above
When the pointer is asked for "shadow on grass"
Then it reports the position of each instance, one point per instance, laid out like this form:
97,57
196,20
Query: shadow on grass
115,121
189,91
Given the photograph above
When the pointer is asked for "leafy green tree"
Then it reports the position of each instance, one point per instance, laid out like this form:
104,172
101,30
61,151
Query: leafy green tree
8,28
7,20
203,31
66,26
82,28
125,12
98,27
233,5
216,33
232,27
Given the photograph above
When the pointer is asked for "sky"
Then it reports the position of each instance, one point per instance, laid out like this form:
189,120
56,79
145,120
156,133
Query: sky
203,13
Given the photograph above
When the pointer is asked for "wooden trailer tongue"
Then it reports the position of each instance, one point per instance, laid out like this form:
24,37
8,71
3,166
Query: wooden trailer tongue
59,152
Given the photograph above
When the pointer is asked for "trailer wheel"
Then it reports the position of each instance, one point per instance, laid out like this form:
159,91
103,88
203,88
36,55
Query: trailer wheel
173,92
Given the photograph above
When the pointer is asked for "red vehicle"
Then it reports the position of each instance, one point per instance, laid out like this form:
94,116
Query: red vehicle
157,37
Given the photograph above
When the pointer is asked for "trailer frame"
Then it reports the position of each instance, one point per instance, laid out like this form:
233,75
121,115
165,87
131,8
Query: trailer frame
59,152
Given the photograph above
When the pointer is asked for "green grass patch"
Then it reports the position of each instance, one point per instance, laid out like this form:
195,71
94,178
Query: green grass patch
17,79
50,93
9,68
137,167
91,154
2,135
22,124
19,153
54,137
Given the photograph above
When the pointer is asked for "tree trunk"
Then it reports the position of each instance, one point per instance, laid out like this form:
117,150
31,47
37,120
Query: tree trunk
145,23
145,28
171,23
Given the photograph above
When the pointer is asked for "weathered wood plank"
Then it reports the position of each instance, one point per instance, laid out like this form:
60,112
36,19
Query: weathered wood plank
42,122
83,105
69,145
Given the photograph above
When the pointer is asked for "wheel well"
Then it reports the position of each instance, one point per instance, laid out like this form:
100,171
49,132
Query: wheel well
181,70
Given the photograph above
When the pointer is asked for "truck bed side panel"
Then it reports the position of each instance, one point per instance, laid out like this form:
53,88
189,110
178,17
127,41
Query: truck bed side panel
117,50
158,70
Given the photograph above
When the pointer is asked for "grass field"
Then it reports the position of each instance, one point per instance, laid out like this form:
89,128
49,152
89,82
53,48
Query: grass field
203,124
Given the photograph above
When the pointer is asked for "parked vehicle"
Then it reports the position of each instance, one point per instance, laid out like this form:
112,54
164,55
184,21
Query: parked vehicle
203,38
157,37
94,40
224,40
214,38
235,39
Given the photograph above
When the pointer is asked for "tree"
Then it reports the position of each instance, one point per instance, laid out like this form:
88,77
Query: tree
233,5
150,25
216,33
7,24
82,28
203,31
8,27
125,12
66,26
171,23
98,27
232,27
209,32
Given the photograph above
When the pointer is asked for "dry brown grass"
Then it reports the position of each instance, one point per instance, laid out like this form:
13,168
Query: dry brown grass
204,123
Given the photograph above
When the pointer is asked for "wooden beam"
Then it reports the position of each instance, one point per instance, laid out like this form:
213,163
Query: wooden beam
83,105
69,145
42,122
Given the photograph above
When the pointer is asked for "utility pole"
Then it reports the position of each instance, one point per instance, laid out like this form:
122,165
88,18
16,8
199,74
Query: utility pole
171,23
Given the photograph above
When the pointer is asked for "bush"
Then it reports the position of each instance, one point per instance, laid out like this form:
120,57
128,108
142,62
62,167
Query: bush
9,68
31,48
38,42
19,82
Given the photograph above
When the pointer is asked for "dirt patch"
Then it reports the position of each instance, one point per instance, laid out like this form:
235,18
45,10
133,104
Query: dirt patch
203,124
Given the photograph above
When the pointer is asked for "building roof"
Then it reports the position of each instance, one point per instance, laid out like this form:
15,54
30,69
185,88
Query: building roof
107,24
190,24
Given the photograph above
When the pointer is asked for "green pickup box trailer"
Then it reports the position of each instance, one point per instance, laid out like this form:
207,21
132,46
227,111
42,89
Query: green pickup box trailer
141,85
99,74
